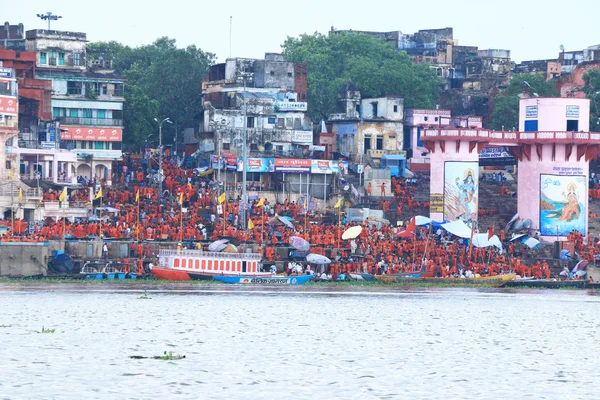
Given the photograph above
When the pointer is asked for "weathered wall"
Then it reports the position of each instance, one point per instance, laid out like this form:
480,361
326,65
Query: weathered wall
23,259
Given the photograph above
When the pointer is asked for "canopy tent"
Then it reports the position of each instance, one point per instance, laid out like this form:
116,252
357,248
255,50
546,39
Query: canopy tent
481,240
458,228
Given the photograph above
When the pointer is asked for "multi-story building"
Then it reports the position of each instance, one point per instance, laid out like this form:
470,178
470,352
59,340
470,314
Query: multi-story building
272,95
87,103
370,126
12,37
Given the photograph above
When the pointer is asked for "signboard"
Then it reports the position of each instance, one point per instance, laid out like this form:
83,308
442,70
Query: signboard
91,134
302,137
214,162
572,111
8,105
328,167
230,160
461,191
436,203
531,112
48,145
6,73
257,165
291,106
292,165
495,156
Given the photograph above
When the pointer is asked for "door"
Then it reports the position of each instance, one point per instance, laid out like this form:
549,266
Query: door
531,126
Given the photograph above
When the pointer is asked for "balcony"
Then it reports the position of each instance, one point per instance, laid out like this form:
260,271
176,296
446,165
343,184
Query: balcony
91,121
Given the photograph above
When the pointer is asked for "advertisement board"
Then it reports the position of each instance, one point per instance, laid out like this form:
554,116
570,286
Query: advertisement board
8,105
91,134
305,137
461,191
292,165
562,204
257,165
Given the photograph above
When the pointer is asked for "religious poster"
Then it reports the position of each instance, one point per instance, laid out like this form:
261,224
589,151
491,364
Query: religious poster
461,194
562,204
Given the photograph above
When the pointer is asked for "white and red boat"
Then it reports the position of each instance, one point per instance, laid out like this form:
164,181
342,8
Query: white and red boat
185,265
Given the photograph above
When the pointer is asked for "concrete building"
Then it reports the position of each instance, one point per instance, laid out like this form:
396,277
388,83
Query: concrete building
368,127
12,37
87,103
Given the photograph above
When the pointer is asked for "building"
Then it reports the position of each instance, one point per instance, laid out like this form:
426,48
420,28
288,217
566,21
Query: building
549,68
369,127
87,103
12,37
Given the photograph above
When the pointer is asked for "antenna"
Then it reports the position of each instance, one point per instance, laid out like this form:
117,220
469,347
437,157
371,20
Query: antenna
50,17
230,30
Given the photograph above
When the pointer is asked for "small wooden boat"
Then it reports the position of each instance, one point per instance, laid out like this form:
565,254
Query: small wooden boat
548,283
265,280
488,281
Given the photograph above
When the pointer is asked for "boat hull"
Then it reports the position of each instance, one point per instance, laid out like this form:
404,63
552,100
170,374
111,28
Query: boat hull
487,281
267,280
171,274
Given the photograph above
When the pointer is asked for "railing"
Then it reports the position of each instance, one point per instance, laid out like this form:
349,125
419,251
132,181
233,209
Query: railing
209,254
510,137
91,121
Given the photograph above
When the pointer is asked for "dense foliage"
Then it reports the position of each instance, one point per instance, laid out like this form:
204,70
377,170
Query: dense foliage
592,91
375,66
161,81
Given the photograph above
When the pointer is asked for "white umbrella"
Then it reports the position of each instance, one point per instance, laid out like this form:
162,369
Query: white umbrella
458,228
286,222
317,259
299,243
352,232
421,220
230,249
218,245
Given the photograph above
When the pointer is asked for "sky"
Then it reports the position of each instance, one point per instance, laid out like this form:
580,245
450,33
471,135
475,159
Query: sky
530,29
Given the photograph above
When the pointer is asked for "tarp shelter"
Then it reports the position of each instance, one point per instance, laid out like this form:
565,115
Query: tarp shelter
458,228
481,240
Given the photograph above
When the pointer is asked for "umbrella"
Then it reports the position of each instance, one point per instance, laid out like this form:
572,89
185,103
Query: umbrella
218,245
352,233
286,222
289,218
515,237
108,209
421,220
531,242
299,243
230,249
317,259
379,219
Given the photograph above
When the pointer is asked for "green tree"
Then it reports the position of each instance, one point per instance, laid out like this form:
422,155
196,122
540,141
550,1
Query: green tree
375,66
506,103
592,91
162,81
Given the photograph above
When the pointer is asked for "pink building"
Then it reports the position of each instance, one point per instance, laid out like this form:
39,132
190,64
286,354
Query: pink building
554,114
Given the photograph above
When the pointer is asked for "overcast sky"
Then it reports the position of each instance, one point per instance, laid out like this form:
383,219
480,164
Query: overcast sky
530,29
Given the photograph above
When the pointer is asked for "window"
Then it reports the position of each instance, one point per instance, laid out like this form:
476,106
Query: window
99,146
374,107
367,144
572,125
436,119
101,114
58,112
379,143
297,123
425,119
395,108
226,146
289,123
53,57
43,57
290,74
61,58
271,120
74,87
281,123
87,113
303,96
250,122
73,112
76,60
253,146
272,73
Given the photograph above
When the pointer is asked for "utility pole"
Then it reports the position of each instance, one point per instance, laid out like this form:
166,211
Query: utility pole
244,156
160,154
50,17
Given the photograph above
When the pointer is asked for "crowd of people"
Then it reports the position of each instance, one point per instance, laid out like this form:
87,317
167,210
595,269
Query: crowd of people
190,209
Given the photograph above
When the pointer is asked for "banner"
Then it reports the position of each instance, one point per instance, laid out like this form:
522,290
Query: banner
461,191
562,204
230,160
257,165
292,165
91,134
8,105
436,203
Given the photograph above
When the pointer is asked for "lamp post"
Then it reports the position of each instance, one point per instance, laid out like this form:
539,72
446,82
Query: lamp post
160,153
244,156
50,17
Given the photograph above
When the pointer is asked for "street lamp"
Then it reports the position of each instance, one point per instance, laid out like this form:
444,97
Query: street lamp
160,153
50,17
530,87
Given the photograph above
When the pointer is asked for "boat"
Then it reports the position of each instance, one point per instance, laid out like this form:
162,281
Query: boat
185,265
549,283
266,280
488,281
98,270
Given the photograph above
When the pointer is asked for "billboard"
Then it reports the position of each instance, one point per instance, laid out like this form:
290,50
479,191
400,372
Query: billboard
461,191
8,105
257,165
292,165
562,204
91,134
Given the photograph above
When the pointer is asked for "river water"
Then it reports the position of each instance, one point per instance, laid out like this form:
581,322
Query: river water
296,343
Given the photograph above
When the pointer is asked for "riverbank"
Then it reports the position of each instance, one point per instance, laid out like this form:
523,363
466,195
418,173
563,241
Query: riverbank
309,286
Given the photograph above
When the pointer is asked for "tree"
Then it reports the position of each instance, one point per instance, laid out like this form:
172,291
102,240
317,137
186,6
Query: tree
592,91
375,66
506,103
162,80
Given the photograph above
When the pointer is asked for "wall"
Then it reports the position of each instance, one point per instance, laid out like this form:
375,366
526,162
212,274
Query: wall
438,159
571,85
552,113
528,191
23,259
385,108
